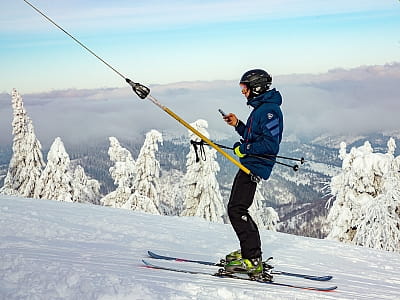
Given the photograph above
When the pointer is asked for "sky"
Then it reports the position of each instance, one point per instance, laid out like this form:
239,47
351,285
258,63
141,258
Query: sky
159,42
336,64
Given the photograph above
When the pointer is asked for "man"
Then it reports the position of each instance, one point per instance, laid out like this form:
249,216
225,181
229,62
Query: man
261,135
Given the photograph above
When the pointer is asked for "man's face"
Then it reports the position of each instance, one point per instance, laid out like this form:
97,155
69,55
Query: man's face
245,90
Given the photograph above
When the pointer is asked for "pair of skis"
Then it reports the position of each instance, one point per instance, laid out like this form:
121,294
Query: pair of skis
222,274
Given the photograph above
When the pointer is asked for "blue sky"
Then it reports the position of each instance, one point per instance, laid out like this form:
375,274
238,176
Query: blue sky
171,41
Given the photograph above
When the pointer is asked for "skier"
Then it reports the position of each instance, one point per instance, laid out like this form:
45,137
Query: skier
261,135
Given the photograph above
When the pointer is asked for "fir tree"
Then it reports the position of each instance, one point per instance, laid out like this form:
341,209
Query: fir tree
146,186
265,217
56,180
123,172
27,161
171,187
84,189
367,206
202,196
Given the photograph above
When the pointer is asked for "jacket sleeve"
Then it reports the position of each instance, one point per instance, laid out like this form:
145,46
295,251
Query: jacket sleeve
240,128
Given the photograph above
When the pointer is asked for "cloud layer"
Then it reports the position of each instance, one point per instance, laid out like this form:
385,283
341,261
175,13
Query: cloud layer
359,100
354,101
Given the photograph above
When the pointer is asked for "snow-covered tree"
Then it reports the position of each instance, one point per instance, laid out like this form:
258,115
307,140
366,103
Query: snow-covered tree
271,219
146,196
84,189
367,206
56,181
123,172
27,161
202,197
265,217
171,187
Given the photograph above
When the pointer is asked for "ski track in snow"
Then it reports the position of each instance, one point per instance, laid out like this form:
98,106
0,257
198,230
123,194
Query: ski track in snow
55,250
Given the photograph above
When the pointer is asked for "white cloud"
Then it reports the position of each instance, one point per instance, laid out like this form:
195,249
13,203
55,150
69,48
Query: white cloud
359,100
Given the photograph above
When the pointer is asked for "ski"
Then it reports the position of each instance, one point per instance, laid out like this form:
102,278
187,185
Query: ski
201,262
233,276
208,263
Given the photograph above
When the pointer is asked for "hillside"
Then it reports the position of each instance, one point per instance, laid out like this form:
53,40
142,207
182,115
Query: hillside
58,250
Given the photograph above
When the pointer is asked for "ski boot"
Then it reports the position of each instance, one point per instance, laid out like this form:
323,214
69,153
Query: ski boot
237,254
252,267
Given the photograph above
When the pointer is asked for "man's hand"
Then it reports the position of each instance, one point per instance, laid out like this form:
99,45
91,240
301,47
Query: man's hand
231,119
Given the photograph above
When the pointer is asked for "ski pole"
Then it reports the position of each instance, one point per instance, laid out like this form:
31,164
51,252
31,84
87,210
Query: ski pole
264,156
301,160
294,167
144,92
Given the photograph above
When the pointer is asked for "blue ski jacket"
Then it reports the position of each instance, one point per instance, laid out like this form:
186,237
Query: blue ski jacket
262,133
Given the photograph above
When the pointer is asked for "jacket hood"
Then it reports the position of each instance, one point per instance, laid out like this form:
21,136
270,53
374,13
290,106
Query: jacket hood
271,96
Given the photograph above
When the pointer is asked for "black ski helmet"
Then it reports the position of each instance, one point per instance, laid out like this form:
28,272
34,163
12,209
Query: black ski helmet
257,81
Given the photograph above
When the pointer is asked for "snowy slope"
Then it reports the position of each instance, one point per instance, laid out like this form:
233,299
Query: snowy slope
57,250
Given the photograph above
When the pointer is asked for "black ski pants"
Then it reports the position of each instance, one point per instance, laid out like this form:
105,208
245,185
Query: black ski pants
242,194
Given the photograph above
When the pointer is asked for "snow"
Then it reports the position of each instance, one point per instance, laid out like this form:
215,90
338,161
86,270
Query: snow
61,250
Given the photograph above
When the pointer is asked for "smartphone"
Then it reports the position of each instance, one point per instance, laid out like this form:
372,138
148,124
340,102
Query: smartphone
222,112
